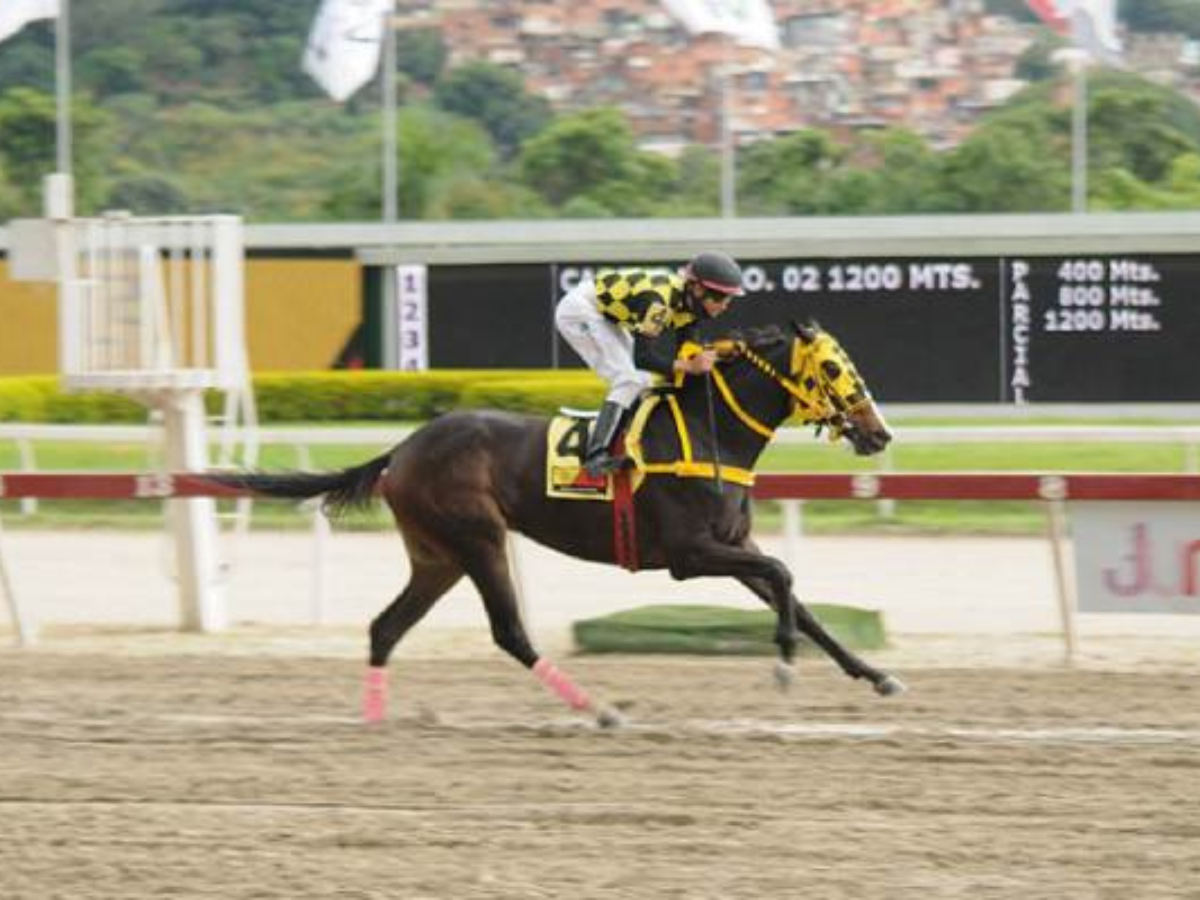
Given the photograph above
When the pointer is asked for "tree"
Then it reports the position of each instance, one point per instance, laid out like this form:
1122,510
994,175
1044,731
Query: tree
421,54
435,150
592,156
788,175
895,173
148,195
1018,164
1037,62
496,98
699,182
1162,16
1118,189
27,147
111,70
1130,129
482,198
10,200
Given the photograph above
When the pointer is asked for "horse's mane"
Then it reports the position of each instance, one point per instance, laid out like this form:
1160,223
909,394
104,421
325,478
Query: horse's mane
760,338
768,336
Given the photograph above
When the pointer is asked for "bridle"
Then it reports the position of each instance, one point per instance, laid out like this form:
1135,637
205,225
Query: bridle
815,395
823,387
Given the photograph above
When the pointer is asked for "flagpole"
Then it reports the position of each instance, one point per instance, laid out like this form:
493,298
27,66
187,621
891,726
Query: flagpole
62,66
728,163
388,76
1079,139
1075,61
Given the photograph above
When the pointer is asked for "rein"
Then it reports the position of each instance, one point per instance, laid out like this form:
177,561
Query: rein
807,386
803,385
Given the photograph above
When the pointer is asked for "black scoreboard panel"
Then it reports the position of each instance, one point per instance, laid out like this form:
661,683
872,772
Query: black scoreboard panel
915,328
1103,328
490,317
1098,328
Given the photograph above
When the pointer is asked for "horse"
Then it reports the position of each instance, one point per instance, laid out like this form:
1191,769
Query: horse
461,482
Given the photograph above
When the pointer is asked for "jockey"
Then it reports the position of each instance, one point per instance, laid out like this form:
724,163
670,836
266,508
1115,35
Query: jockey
627,324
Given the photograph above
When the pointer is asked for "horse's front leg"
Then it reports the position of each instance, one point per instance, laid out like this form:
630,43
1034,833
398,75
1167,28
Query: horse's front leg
852,665
710,558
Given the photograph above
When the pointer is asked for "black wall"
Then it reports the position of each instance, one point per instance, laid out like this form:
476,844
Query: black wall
961,329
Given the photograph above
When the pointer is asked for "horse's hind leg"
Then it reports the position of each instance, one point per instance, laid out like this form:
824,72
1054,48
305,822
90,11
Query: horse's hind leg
431,578
486,564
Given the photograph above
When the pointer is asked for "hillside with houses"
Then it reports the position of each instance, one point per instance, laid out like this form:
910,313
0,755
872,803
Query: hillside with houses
933,66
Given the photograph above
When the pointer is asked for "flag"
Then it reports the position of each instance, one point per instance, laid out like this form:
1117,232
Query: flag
343,47
16,14
750,22
1090,24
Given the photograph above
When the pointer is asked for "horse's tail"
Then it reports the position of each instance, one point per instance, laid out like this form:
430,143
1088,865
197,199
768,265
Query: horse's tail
350,488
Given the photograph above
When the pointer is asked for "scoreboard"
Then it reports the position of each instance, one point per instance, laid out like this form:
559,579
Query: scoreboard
1011,329
1021,329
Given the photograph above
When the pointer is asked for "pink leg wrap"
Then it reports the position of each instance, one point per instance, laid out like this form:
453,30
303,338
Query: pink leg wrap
374,694
550,675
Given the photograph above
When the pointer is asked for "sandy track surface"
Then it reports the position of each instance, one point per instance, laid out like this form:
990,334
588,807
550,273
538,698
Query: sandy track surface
243,776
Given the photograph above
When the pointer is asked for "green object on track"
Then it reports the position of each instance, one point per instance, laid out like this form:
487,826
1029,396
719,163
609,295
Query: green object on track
719,630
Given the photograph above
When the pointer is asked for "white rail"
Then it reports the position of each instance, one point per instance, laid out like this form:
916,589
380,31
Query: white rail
386,435
302,437
25,435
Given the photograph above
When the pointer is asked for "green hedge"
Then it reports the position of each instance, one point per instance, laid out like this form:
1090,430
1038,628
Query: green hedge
328,396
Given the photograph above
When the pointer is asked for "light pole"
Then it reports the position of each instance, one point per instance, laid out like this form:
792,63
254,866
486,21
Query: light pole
388,75
1075,62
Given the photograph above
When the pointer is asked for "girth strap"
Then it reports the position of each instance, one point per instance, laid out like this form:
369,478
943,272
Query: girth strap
686,466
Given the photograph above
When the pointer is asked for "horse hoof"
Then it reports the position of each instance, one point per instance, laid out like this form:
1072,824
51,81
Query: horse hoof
785,675
891,686
610,718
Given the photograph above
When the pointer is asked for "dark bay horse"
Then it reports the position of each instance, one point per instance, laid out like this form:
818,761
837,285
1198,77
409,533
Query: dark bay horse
457,485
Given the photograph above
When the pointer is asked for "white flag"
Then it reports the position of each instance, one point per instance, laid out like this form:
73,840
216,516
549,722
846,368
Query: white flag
343,47
750,22
16,14
1090,24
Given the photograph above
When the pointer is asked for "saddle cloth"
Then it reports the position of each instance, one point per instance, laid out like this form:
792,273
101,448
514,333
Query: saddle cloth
566,443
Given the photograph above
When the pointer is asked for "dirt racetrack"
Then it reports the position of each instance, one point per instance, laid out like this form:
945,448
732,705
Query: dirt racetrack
236,775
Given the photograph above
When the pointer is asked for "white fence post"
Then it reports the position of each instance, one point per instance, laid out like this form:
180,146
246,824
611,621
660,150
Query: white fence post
793,527
1057,528
25,630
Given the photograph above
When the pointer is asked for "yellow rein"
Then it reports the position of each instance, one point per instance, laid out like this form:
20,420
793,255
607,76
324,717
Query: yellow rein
813,404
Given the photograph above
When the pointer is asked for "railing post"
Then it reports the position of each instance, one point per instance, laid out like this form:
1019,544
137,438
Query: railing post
29,505
25,630
886,507
793,527
321,533
1057,529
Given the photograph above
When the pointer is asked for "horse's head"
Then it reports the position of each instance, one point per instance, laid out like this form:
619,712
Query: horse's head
828,392
817,382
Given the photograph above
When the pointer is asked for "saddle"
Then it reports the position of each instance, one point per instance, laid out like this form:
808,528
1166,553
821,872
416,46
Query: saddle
566,479
566,443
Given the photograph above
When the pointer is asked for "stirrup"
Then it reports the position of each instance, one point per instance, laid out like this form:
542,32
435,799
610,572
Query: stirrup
603,464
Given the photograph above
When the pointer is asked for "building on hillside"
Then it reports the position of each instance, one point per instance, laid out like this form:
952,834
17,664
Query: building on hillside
932,66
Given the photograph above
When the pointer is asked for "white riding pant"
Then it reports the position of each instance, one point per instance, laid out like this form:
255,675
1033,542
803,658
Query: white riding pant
605,346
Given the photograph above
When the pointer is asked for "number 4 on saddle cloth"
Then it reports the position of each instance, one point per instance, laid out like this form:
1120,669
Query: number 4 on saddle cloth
566,479
567,439
566,442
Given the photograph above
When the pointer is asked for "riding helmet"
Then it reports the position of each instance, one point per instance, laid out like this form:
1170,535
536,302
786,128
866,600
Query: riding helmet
717,271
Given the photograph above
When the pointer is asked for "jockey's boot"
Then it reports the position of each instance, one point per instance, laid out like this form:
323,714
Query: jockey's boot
597,460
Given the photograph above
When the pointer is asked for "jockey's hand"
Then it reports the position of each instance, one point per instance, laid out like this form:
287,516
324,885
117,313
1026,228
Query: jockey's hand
699,364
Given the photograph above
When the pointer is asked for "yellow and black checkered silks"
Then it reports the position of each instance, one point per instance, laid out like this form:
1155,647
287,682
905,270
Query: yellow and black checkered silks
643,300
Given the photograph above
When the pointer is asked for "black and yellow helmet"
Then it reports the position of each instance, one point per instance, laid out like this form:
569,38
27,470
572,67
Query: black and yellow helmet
717,271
